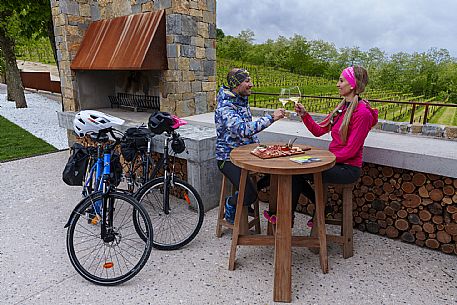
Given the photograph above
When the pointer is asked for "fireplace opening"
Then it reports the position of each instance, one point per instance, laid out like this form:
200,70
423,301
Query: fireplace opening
120,62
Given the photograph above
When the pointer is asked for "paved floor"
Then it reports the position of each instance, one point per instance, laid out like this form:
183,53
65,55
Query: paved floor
35,269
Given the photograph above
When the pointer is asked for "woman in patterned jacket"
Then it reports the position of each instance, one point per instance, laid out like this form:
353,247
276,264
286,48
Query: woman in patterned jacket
234,128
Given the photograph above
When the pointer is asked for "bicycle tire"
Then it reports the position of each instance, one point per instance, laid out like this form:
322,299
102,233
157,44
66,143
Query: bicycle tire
185,219
113,262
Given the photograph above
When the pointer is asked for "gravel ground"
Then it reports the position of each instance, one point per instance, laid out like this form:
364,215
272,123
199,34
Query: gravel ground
39,118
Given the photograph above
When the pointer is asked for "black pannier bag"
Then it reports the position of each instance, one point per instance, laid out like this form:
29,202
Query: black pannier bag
135,139
75,169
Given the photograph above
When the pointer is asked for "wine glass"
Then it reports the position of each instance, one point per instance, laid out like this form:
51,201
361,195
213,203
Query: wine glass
284,96
295,94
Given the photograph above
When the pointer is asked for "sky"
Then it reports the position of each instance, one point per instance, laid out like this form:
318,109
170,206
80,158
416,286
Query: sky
391,25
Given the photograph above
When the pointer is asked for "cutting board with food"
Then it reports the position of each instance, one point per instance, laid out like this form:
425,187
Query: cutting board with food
275,151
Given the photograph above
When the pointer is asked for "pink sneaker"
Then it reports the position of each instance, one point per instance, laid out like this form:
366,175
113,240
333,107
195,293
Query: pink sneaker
271,218
310,223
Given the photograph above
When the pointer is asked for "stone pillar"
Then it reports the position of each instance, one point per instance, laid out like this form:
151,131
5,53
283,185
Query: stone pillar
189,85
71,19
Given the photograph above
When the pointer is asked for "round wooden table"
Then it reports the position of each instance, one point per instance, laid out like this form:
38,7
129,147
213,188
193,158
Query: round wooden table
281,170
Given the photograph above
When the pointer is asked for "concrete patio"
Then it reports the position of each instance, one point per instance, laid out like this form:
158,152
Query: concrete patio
35,205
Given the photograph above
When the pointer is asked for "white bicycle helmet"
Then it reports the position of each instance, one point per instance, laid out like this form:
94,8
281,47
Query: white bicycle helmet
92,121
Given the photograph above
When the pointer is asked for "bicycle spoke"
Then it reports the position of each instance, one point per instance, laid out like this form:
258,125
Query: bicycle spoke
182,222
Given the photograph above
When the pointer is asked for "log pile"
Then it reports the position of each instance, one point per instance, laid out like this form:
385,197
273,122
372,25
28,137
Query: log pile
415,207
180,165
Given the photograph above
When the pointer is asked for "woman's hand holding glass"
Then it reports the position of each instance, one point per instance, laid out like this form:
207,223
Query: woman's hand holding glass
300,109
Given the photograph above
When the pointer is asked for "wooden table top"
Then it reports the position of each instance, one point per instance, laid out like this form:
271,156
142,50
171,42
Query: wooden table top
242,157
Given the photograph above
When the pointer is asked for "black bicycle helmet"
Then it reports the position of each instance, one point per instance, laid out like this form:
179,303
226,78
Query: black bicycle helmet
160,122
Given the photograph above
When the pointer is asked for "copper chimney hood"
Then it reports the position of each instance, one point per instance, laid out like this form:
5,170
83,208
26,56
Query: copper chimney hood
133,42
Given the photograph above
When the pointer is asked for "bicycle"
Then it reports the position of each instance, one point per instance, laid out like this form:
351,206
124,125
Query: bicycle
136,148
104,243
174,206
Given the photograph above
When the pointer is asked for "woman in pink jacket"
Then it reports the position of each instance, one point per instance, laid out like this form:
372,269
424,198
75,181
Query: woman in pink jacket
348,124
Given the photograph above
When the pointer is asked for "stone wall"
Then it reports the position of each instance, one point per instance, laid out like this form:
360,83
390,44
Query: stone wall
188,86
430,130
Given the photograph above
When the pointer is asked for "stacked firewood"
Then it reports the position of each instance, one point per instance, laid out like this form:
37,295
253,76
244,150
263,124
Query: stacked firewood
179,166
412,206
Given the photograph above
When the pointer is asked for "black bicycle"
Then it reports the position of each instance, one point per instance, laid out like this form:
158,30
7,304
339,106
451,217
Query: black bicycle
174,206
104,241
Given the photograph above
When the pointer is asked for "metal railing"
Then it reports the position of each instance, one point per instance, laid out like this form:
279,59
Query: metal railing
414,104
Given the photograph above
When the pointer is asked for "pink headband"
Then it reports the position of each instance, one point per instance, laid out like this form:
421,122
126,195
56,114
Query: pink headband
348,74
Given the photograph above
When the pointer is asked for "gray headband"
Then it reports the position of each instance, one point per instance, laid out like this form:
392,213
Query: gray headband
237,78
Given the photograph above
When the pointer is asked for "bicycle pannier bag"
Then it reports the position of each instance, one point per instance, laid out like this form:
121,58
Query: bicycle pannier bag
75,169
134,140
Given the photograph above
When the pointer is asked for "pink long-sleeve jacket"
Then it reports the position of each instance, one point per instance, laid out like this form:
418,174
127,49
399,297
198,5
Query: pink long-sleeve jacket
362,120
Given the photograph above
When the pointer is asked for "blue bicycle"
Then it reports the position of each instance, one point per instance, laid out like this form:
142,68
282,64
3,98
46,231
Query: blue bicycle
104,242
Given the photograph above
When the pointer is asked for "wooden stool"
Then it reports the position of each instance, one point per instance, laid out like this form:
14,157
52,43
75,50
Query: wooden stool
221,222
345,237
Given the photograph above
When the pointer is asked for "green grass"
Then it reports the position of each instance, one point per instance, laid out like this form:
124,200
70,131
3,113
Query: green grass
446,116
18,143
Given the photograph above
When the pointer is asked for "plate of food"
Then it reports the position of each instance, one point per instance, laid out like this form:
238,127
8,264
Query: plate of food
275,151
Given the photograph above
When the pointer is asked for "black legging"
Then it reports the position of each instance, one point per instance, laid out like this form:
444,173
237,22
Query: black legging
233,173
339,174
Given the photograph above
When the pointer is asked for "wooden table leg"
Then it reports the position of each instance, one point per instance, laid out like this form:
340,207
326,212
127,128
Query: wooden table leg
283,242
241,218
272,200
321,231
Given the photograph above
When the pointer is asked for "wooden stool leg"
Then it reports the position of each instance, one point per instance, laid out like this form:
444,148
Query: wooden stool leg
347,230
320,215
241,224
314,229
257,216
220,216
272,201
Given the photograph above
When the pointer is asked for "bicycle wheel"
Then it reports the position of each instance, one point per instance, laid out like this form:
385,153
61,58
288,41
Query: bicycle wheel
122,253
182,223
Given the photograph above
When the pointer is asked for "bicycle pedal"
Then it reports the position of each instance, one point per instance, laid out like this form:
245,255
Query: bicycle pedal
94,220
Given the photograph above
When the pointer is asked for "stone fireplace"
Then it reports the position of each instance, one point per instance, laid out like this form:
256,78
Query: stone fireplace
163,48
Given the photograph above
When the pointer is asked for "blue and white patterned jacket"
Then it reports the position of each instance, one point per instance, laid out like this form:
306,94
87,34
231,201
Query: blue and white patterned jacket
234,125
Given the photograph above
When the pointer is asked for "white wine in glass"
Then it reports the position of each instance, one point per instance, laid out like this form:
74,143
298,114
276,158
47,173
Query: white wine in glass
284,96
295,94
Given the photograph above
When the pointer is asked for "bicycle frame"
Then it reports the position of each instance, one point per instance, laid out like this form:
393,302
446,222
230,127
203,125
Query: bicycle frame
101,180
168,175
163,162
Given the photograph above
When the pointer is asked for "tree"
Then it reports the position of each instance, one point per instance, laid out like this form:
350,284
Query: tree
8,19
247,36
236,48
299,60
20,18
219,34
